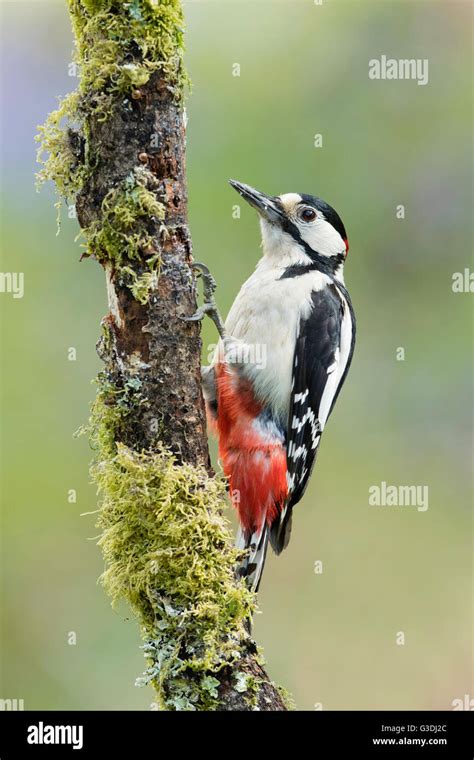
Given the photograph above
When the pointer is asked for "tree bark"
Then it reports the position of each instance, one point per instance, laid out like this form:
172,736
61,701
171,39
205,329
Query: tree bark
151,341
146,344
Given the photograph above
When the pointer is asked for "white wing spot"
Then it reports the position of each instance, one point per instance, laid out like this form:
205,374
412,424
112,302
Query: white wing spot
300,451
297,424
300,397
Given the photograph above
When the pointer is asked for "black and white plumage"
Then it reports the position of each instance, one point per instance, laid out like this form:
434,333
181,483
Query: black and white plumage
322,357
322,354
270,415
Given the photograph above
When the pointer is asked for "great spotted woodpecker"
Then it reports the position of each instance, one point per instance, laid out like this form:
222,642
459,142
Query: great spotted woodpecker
284,353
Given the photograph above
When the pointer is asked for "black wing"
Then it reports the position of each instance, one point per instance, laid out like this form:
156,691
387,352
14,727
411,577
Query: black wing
320,366
323,353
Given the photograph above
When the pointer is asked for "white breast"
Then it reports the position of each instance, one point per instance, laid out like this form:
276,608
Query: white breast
266,315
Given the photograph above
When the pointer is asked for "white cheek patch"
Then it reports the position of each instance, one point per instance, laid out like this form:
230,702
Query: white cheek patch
280,246
322,237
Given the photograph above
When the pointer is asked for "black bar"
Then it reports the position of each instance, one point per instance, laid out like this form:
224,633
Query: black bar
315,734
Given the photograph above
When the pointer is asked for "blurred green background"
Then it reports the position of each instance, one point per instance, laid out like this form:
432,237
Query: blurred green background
330,638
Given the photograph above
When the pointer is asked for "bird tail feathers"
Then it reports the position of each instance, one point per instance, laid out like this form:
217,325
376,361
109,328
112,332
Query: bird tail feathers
255,545
280,531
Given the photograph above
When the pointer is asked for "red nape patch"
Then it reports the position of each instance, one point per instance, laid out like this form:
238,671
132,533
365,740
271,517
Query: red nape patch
253,461
346,242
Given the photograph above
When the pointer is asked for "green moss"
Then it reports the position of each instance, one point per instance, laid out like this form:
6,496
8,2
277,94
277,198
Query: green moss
141,285
121,235
169,553
250,686
119,45
286,698
110,410
56,152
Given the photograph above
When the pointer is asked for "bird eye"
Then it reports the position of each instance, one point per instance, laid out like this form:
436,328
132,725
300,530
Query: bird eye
307,214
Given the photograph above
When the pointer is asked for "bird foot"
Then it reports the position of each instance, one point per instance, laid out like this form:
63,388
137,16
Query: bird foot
209,306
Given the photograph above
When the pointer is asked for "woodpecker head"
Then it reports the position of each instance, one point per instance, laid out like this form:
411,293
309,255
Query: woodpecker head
298,229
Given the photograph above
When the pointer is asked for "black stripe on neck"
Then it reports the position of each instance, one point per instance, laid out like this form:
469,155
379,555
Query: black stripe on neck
326,264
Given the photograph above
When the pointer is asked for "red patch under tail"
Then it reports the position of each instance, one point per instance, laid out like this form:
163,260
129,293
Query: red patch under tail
254,460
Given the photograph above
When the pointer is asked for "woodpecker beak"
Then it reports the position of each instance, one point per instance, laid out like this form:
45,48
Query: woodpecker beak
266,206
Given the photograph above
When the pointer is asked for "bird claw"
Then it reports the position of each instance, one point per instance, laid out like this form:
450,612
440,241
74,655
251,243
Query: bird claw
209,306
200,313
207,278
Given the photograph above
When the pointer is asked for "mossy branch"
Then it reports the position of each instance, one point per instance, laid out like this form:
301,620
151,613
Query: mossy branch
116,149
